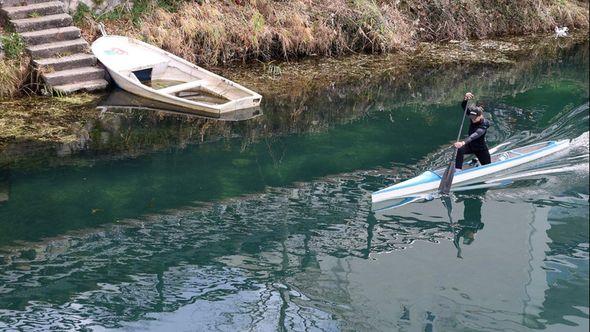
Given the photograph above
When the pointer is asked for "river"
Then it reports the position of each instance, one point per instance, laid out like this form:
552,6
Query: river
270,225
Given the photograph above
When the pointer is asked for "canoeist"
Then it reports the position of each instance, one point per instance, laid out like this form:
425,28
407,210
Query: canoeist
475,143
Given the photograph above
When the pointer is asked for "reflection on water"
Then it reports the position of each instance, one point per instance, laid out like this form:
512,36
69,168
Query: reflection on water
469,225
119,101
524,99
4,185
272,229
297,257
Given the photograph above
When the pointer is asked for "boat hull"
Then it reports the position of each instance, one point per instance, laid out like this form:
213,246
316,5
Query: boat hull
429,181
123,56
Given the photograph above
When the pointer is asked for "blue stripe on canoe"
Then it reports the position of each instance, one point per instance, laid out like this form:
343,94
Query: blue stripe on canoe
429,178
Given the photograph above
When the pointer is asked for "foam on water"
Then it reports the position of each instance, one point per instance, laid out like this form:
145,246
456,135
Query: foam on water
581,143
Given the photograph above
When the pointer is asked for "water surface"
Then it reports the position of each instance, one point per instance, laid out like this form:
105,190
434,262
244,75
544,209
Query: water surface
273,229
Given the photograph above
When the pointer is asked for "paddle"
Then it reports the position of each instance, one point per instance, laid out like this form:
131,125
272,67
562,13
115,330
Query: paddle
447,180
446,200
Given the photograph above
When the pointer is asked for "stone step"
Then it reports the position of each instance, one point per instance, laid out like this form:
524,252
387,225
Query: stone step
78,60
41,23
34,10
58,49
81,86
71,76
51,35
15,3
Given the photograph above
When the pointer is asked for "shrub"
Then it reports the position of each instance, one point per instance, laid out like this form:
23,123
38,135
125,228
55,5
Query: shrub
13,45
216,32
13,73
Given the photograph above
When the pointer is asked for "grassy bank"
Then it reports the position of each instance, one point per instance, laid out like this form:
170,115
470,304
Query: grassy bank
222,32
14,65
309,96
215,32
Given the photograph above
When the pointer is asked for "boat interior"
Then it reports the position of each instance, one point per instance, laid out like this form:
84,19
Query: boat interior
178,80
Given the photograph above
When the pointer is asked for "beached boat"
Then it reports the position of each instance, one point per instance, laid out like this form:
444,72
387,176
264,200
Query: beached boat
472,176
153,73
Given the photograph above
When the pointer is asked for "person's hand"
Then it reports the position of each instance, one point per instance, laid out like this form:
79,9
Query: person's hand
468,96
459,145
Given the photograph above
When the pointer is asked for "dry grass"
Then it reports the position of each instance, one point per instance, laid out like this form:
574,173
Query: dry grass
13,75
43,119
449,19
314,94
220,31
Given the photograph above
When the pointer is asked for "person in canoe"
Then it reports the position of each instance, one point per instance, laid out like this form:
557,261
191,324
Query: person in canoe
475,143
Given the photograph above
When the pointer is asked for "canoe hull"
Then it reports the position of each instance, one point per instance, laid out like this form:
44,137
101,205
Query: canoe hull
429,181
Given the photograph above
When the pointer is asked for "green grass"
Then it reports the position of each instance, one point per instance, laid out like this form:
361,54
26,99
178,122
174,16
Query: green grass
135,13
13,44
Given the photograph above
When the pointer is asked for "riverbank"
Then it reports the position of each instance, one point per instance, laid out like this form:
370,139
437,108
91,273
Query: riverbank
223,33
61,126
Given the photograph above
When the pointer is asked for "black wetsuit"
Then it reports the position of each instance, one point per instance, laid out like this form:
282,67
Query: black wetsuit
475,143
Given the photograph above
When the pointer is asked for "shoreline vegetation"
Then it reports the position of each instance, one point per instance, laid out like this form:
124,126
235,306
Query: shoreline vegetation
14,65
304,96
226,32
212,32
387,48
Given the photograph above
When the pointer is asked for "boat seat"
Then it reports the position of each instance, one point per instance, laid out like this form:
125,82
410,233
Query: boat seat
181,87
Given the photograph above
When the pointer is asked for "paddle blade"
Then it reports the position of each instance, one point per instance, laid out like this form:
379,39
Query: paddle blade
447,179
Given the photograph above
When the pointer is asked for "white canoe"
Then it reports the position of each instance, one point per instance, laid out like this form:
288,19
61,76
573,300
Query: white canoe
153,73
471,176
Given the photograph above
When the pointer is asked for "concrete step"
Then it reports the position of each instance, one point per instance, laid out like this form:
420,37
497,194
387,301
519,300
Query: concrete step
72,76
81,86
14,3
34,10
51,35
58,49
78,60
41,23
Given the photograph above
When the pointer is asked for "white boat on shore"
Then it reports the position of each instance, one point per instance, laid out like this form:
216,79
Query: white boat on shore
472,176
153,73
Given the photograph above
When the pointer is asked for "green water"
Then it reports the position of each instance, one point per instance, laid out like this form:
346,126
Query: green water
273,229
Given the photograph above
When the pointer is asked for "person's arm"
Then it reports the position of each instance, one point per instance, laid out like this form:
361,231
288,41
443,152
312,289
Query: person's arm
476,134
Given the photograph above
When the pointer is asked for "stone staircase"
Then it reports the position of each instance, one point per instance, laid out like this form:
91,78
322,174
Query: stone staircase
59,52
